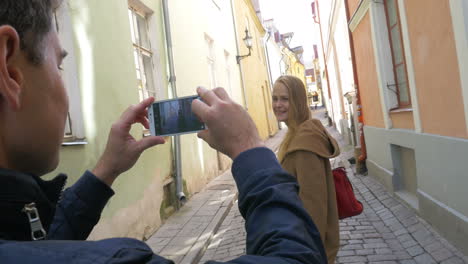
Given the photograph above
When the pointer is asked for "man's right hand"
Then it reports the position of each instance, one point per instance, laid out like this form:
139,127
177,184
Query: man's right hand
122,149
230,128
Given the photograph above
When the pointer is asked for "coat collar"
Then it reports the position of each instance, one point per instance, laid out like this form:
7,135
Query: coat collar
312,136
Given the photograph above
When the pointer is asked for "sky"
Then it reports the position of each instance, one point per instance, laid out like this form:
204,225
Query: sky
293,16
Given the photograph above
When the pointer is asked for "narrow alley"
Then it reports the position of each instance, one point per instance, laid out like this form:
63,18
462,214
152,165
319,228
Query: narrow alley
386,232
120,122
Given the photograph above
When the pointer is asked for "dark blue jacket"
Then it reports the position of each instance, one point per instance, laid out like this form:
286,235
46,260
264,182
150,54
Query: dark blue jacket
279,230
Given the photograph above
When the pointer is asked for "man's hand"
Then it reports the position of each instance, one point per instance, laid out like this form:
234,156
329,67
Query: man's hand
122,149
230,128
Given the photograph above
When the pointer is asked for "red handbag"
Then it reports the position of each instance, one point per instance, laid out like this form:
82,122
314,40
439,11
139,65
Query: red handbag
348,205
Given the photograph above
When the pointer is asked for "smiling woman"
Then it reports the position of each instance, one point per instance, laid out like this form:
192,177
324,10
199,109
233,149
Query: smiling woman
281,102
305,153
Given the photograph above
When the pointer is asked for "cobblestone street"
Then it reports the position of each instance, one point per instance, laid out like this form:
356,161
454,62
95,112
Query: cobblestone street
229,242
387,232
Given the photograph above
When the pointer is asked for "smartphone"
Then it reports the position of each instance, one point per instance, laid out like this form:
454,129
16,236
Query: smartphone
174,117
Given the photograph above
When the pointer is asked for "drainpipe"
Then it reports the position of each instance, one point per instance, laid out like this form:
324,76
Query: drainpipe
363,157
172,79
246,105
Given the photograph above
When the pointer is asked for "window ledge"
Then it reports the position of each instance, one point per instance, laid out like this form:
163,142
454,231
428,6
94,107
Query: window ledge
75,143
401,110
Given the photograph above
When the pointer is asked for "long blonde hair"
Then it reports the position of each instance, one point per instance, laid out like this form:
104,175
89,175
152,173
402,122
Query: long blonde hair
298,111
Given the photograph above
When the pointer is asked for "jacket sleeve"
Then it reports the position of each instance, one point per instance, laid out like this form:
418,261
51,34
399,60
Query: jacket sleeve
279,230
109,251
79,209
311,174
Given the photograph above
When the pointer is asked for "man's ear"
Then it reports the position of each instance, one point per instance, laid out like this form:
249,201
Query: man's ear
11,77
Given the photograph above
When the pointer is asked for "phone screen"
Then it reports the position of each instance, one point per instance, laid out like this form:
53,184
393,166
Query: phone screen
172,117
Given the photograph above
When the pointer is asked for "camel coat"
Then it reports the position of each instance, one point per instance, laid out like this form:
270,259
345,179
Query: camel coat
307,158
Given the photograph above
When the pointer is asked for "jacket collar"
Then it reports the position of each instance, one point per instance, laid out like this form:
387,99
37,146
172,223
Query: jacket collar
18,189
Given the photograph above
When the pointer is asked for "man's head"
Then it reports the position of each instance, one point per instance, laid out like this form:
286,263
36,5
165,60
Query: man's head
32,20
33,101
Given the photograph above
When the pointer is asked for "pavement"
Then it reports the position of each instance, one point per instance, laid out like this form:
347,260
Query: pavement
210,227
185,235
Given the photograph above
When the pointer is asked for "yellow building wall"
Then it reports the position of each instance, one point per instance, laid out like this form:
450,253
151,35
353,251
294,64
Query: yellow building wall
299,71
254,69
295,68
108,85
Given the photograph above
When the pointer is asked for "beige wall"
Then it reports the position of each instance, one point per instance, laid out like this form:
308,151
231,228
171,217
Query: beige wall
353,5
256,80
367,75
192,23
107,85
436,68
403,120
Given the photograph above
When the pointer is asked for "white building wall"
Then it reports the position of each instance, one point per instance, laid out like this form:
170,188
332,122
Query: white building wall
274,56
196,26
459,10
343,50
339,63
204,18
315,28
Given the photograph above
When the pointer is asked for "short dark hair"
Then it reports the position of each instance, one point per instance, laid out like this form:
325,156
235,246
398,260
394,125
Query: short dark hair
32,19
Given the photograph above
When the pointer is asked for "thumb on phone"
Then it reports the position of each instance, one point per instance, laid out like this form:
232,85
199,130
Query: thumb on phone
230,128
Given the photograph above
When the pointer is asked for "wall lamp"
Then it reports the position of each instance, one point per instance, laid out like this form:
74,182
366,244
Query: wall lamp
248,42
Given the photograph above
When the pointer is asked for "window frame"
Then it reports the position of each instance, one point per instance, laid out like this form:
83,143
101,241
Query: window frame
74,133
403,62
227,59
146,87
211,60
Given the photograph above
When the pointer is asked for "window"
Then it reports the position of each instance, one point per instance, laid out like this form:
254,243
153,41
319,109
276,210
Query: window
74,128
211,60
142,53
400,86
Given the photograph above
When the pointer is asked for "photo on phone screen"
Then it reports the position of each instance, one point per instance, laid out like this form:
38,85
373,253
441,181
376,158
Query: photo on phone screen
172,117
